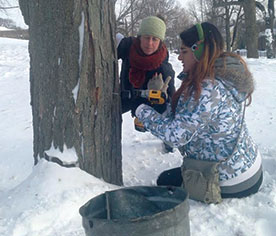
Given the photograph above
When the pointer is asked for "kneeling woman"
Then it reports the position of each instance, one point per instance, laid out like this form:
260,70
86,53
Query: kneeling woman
206,117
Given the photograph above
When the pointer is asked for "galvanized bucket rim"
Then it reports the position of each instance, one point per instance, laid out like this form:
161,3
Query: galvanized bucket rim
142,218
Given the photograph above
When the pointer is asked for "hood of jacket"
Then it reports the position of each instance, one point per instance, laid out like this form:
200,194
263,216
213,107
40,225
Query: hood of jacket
235,76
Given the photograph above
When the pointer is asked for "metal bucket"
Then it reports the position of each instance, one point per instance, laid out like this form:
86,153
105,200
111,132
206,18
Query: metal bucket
138,211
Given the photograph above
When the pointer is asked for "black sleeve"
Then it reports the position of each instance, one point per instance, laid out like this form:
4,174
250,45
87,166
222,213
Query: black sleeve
123,48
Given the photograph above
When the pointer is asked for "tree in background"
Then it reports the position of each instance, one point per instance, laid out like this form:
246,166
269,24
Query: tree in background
74,87
268,16
175,25
127,17
218,16
236,19
131,12
271,47
249,8
225,18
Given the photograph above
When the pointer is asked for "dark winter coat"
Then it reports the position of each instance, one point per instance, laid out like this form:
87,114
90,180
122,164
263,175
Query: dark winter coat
129,101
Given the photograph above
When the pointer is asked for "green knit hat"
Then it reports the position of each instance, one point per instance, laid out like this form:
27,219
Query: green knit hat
153,26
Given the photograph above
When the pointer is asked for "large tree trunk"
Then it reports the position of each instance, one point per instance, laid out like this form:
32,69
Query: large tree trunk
74,87
227,29
271,16
249,8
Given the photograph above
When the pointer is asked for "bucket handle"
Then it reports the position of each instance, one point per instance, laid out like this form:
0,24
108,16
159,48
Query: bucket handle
107,205
90,222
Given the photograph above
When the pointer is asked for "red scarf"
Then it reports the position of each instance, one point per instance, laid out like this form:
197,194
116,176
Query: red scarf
141,63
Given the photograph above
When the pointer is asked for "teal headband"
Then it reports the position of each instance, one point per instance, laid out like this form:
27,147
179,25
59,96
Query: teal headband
198,47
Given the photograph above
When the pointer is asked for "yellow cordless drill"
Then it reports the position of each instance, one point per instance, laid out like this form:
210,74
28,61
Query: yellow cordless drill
153,96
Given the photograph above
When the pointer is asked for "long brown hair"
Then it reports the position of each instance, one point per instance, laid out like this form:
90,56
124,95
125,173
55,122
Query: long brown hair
213,47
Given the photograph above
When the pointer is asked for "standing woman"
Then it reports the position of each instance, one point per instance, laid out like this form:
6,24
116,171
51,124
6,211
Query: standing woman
206,117
143,57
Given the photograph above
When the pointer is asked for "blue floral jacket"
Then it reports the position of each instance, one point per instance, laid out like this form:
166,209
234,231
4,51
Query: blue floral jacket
209,129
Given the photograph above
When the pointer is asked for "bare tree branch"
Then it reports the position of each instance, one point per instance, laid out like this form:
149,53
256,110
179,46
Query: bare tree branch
225,4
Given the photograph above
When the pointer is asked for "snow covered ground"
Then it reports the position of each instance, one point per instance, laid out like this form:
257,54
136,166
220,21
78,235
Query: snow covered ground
13,14
44,200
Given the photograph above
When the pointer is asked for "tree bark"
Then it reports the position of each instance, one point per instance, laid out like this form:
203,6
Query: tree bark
249,8
271,15
227,29
74,87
